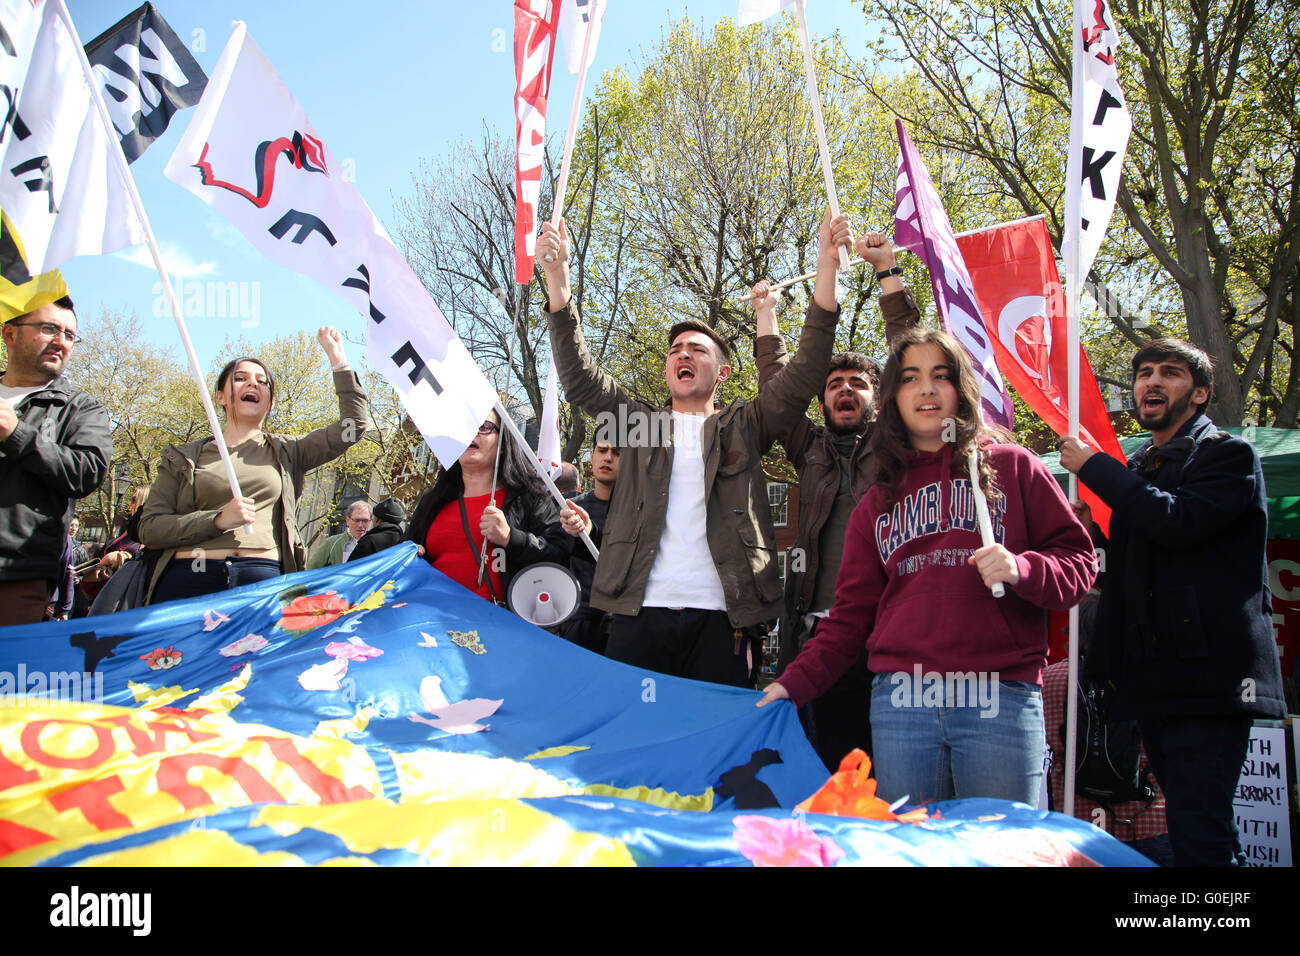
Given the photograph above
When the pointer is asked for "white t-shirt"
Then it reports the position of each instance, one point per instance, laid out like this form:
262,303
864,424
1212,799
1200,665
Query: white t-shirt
17,394
683,574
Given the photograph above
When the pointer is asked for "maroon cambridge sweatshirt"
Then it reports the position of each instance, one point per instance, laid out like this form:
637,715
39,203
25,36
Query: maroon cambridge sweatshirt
906,592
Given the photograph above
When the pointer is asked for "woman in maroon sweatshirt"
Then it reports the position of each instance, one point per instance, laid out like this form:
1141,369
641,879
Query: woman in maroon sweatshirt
956,706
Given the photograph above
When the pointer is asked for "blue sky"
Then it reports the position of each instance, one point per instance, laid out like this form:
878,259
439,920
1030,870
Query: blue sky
385,84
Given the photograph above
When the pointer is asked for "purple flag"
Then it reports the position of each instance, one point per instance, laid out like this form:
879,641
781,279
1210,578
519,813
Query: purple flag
921,225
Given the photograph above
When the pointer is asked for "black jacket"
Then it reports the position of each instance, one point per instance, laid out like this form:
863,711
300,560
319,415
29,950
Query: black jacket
1185,620
388,531
534,519
58,452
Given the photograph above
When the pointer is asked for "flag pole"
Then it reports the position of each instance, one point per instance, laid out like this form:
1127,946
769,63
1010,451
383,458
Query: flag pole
832,197
557,205
115,150
541,472
897,249
1070,255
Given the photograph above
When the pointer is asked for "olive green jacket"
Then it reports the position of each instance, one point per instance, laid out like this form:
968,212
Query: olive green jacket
742,544
173,521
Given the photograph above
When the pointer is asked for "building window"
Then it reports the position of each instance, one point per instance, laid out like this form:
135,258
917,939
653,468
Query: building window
777,497
780,566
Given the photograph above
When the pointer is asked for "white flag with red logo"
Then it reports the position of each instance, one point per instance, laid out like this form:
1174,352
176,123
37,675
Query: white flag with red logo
1013,270
1099,131
252,155
534,51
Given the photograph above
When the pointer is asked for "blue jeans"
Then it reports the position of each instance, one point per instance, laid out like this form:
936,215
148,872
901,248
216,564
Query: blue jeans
929,748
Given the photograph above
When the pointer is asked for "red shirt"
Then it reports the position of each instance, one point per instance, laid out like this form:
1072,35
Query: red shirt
448,550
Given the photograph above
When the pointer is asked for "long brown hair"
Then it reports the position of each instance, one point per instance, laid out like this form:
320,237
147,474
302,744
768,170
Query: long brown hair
890,443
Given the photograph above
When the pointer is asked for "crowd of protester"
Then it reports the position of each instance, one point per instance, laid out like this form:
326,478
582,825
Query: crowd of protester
895,581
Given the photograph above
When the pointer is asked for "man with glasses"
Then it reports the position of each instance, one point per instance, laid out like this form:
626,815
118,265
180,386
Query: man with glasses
338,548
55,446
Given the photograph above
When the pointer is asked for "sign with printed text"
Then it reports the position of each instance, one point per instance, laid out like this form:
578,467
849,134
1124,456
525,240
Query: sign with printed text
1262,801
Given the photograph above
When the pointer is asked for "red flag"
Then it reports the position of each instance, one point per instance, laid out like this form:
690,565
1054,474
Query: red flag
1014,273
534,50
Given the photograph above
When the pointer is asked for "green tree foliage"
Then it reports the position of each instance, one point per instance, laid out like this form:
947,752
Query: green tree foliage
1209,237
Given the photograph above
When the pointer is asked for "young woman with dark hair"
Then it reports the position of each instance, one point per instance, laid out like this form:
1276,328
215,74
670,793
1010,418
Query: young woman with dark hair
956,706
518,519
190,513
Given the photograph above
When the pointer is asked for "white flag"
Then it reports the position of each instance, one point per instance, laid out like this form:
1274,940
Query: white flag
574,17
1099,130
548,435
251,154
751,11
59,186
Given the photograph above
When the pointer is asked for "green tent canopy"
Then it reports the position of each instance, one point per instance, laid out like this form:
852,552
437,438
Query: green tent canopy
1278,449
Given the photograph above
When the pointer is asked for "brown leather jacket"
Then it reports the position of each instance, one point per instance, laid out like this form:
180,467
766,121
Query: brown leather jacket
809,448
742,544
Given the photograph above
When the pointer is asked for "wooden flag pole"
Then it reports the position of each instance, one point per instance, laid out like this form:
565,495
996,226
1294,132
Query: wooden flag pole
557,205
832,197
115,150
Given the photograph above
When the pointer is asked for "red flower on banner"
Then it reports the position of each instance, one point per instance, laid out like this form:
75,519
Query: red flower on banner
159,659
766,841
312,610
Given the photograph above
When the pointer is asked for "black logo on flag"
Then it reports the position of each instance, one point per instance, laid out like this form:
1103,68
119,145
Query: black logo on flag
146,74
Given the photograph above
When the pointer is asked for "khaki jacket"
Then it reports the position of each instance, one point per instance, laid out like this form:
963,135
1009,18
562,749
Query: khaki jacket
810,449
742,544
173,521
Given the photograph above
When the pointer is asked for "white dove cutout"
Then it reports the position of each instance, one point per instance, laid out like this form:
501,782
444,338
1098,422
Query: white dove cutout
324,676
461,717
213,619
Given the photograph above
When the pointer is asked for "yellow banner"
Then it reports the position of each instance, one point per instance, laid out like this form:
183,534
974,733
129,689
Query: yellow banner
20,292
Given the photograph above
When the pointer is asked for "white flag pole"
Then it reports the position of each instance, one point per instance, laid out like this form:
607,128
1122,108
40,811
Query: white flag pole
982,509
1070,255
832,197
115,150
557,208
509,423
897,249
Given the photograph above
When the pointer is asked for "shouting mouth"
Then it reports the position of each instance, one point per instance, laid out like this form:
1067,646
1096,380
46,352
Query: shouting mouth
1153,403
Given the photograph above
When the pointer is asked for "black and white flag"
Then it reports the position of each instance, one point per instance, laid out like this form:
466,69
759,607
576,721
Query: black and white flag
146,74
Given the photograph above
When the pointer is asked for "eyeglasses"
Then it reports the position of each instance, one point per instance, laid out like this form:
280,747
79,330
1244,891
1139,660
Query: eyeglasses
50,330
487,428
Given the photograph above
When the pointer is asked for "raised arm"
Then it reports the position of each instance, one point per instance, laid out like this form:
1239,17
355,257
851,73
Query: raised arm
784,400
325,444
897,304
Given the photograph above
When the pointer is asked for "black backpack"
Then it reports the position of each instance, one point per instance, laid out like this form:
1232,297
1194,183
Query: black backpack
1107,751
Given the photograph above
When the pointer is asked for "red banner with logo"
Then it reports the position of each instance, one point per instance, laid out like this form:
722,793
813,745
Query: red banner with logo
1022,303
534,51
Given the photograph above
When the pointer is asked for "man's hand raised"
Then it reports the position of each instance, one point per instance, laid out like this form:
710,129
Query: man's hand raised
553,253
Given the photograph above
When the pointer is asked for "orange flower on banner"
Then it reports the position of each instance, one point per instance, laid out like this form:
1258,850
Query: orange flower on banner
159,659
851,792
312,610
766,841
